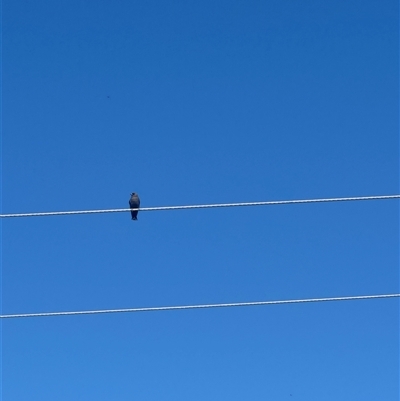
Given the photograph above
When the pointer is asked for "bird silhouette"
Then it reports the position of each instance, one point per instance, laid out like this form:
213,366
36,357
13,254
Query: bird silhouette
134,203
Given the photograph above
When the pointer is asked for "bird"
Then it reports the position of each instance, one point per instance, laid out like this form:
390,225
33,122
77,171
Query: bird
134,203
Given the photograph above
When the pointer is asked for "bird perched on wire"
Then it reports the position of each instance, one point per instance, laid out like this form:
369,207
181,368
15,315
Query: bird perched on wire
134,203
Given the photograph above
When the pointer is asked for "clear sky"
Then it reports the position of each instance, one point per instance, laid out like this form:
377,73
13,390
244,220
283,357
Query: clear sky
188,102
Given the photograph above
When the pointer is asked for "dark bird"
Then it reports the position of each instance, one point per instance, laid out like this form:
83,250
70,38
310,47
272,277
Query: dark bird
134,203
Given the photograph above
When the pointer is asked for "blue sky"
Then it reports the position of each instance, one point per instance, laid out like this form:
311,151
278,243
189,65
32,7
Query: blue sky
189,102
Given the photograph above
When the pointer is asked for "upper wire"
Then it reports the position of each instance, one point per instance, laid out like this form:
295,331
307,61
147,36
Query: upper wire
206,206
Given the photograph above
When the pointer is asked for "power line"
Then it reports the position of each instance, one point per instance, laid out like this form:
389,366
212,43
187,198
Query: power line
204,306
206,206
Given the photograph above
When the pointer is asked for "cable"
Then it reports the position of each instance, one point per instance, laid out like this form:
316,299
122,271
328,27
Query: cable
204,306
207,206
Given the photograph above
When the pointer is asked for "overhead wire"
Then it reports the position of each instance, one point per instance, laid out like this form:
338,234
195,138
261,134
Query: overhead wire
205,206
201,306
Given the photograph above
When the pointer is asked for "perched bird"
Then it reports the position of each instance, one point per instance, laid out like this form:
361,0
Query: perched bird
134,203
